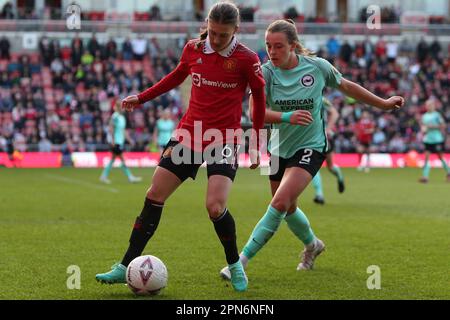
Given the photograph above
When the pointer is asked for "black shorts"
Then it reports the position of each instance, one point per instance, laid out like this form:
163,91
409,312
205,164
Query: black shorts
434,147
187,162
117,149
308,159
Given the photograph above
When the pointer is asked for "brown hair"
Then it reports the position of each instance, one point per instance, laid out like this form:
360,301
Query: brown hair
222,12
287,27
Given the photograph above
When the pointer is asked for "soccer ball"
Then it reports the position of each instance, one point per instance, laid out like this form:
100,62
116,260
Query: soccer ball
146,275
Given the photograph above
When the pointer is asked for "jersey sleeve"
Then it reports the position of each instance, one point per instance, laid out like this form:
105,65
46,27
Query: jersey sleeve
254,73
332,76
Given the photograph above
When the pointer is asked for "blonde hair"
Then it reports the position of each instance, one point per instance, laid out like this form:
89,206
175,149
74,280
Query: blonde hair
287,26
222,12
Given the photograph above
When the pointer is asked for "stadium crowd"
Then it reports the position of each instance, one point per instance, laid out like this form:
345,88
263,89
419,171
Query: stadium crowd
61,99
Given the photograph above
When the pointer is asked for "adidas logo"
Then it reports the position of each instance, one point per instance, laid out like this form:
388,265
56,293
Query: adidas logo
199,61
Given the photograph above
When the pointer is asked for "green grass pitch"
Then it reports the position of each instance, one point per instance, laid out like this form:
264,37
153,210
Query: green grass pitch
52,219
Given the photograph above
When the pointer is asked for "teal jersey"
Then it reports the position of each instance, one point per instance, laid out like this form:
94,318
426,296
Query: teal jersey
299,88
433,135
119,123
165,128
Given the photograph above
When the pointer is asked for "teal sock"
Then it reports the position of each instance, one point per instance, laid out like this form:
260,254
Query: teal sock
445,165
263,231
299,225
426,169
107,169
126,170
337,171
317,184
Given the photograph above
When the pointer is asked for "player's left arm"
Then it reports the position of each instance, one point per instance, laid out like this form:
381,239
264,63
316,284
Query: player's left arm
363,95
297,117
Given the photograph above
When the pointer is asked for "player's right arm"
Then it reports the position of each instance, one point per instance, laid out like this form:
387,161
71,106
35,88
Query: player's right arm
170,81
298,117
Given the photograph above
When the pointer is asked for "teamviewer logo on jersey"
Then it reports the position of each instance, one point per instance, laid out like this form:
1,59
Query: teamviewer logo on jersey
257,68
196,79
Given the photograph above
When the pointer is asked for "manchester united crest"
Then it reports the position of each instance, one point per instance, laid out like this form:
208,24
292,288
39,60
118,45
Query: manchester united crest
229,65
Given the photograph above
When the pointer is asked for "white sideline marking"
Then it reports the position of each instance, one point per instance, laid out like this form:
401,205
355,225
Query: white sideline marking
81,182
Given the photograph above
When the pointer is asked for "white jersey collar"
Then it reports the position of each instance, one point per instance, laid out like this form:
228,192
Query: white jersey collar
227,52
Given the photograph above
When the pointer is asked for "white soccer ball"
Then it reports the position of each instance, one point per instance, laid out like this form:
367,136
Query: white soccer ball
146,275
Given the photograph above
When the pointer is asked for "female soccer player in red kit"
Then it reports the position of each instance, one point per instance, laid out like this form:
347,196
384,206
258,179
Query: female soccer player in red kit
364,133
221,68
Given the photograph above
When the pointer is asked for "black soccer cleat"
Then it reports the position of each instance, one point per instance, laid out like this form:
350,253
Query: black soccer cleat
319,200
341,186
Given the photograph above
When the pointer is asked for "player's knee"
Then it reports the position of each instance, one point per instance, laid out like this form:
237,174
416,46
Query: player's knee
155,194
281,204
215,208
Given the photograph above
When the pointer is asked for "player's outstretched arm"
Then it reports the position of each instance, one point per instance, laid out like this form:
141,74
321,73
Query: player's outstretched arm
363,95
172,80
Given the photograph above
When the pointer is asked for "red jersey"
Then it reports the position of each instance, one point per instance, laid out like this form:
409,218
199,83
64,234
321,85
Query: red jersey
219,82
364,130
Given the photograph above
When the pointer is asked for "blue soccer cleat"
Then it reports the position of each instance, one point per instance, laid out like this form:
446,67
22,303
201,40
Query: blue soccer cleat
239,280
116,275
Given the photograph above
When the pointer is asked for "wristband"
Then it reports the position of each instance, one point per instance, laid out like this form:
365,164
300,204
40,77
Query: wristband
286,116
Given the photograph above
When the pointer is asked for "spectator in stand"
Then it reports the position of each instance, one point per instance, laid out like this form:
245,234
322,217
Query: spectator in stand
139,46
111,49
7,11
155,13
93,45
391,51
77,50
345,52
46,50
4,48
127,49
436,49
422,50
333,47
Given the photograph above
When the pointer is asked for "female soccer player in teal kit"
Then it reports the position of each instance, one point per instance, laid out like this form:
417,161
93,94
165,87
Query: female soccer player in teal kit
295,81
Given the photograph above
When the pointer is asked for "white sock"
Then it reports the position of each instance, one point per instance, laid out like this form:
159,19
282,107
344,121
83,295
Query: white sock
244,260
